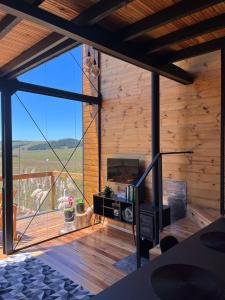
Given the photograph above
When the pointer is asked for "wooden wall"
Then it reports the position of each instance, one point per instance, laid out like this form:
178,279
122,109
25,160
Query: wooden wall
190,120
90,141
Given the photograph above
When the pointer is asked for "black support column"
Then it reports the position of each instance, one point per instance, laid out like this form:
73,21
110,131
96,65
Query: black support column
7,189
222,131
156,172
155,136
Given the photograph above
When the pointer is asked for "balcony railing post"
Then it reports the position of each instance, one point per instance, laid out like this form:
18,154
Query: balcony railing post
53,192
137,221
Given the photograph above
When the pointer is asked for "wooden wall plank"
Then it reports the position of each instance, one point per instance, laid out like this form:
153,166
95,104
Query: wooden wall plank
190,120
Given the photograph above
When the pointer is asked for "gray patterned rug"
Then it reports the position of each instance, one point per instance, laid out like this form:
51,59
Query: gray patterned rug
26,277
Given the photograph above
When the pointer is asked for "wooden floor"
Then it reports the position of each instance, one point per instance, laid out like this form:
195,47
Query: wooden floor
87,256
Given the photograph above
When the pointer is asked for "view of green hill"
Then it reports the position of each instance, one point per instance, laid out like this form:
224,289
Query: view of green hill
42,145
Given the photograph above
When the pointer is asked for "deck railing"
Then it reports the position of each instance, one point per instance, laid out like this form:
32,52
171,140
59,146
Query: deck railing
53,176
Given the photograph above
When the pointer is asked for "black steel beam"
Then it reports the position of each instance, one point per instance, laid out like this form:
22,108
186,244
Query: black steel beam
96,37
43,90
192,51
186,33
7,23
7,189
45,56
222,134
99,11
169,14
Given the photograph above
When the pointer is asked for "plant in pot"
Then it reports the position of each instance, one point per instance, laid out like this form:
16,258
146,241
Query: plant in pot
66,204
108,191
80,206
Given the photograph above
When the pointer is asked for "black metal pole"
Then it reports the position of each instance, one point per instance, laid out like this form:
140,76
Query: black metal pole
7,189
99,125
137,221
156,172
222,131
155,137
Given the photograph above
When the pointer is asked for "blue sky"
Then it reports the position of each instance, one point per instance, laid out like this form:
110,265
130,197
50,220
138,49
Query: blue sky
57,118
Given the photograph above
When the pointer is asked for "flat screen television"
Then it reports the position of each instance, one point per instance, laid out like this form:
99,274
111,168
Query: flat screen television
122,170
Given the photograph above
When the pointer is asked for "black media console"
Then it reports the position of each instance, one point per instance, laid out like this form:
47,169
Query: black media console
114,207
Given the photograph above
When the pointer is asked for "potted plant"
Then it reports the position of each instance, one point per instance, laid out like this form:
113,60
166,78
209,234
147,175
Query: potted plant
66,204
69,214
80,206
107,191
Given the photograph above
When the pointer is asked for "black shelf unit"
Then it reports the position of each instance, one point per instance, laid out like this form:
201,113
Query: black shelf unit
107,206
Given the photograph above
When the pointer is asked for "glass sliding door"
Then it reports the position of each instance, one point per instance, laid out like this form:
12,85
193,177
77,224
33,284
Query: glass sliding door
48,197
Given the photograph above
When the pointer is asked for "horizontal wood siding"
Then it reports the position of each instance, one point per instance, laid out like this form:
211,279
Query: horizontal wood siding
190,120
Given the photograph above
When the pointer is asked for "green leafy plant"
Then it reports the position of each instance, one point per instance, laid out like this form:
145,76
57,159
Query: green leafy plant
69,209
80,201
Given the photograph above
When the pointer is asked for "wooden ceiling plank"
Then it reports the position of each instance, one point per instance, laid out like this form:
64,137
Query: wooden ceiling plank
92,15
94,36
169,14
99,11
186,33
7,23
44,45
192,51
46,56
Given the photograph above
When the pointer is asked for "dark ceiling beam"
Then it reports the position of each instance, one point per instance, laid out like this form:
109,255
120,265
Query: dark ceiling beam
101,39
91,15
34,2
7,24
46,56
186,33
192,51
99,11
48,91
163,17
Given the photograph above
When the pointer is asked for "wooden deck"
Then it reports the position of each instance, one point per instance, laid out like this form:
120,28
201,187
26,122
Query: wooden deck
44,226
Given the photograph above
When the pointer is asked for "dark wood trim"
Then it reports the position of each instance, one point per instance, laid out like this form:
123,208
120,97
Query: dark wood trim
192,51
222,134
169,14
46,56
96,37
43,90
7,24
186,33
7,188
99,11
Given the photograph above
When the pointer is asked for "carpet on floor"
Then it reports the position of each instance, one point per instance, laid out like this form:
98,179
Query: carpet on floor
25,277
129,263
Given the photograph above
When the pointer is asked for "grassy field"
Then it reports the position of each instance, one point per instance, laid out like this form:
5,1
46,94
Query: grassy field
33,161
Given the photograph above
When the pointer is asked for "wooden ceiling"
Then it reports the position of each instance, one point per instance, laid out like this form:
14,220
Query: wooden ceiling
152,34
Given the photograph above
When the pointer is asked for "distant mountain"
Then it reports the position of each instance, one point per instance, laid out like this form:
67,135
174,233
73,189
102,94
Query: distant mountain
41,145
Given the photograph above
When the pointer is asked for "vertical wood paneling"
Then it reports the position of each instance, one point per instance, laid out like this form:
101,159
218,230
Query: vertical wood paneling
190,120
90,141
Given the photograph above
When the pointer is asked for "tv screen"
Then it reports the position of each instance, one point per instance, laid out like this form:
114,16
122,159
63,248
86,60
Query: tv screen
122,170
